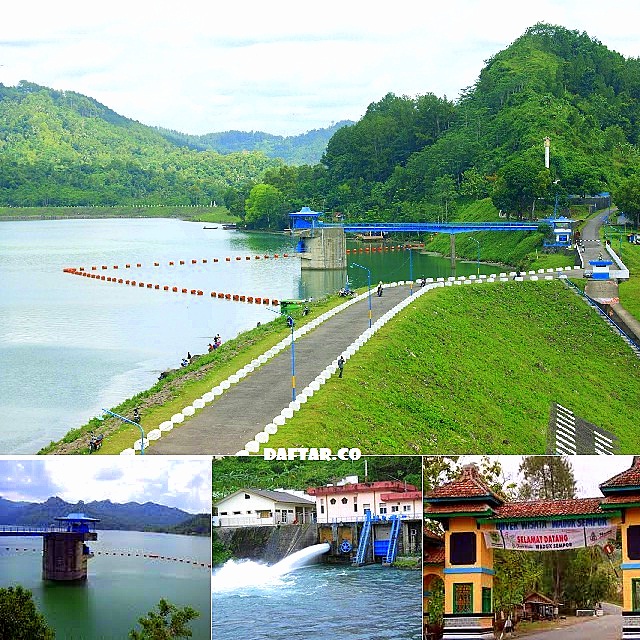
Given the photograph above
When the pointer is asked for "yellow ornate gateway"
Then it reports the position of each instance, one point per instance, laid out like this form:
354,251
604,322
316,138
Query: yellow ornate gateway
476,520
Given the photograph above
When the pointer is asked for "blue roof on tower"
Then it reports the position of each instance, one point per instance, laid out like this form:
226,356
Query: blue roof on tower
77,517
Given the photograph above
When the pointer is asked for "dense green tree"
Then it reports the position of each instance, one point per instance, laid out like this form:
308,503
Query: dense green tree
588,580
547,478
550,478
627,196
19,617
166,623
520,181
265,207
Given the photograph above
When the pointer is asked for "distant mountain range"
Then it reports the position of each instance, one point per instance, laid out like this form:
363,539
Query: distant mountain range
61,148
304,148
130,516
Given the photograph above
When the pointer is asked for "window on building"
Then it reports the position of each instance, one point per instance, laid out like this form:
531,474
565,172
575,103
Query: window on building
635,594
633,542
344,501
395,508
462,548
321,508
463,597
214,511
237,513
382,509
284,516
406,507
332,501
224,513
355,507
486,600
264,513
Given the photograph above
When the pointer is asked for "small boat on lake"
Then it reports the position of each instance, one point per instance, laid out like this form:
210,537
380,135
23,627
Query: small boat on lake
209,227
230,226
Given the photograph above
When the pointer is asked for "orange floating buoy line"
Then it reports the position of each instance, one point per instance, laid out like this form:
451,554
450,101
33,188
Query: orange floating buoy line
172,263
235,297
398,247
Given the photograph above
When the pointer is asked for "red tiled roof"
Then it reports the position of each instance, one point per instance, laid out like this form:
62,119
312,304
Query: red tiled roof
430,536
388,485
409,495
469,485
434,556
548,508
628,497
628,478
478,508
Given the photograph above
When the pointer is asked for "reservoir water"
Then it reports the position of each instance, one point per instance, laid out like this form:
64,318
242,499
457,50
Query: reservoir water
119,589
322,602
71,345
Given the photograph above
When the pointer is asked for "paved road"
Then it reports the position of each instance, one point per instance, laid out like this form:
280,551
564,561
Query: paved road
593,248
244,410
225,426
607,627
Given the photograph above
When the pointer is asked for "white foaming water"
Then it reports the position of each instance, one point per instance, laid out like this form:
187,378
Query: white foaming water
238,574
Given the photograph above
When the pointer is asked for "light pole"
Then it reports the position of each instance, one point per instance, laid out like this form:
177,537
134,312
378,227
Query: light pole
291,323
478,261
355,264
135,424
410,272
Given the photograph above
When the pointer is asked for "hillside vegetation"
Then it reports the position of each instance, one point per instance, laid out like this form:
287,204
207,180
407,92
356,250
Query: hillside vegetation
64,149
421,158
305,148
468,369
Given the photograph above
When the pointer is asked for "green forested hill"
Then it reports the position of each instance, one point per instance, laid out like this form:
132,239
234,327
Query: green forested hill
419,157
412,158
62,148
305,148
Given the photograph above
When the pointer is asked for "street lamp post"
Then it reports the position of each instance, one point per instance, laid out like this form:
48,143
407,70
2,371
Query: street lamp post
291,323
135,424
478,261
355,264
410,272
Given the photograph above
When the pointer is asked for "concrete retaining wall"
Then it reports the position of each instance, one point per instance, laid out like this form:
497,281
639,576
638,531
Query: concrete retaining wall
269,544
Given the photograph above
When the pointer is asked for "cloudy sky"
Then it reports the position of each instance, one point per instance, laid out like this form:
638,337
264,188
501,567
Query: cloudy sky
589,471
283,67
184,484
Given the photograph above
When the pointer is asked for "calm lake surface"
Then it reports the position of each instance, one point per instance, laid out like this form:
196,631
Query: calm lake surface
119,590
324,602
70,345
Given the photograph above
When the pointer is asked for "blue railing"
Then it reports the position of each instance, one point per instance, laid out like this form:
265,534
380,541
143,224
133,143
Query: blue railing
614,325
394,536
363,543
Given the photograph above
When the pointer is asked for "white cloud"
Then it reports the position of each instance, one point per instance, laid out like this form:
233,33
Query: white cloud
174,482
283,68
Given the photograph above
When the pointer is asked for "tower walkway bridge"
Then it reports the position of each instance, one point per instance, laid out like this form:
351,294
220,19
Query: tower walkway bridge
435,227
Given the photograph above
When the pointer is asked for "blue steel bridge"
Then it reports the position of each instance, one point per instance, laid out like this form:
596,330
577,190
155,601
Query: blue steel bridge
435,227
308,219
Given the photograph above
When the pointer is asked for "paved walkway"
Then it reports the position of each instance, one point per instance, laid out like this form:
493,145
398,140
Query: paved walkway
226,425
607,627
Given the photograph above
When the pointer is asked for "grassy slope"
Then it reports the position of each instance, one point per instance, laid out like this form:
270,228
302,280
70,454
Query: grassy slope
520,249
173,393
630,291
201,214
470,369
